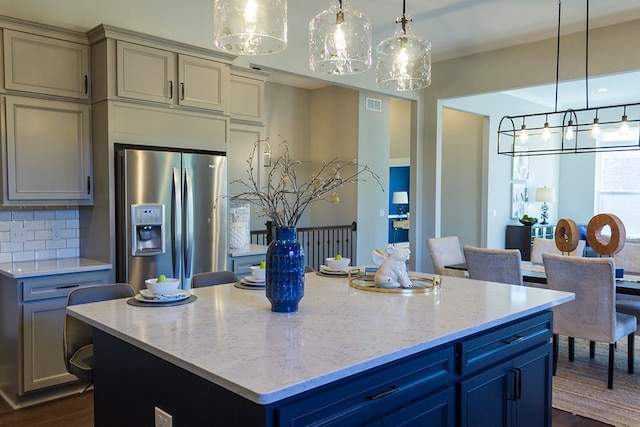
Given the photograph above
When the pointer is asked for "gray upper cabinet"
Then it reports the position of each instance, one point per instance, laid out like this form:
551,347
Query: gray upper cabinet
45,65
47,147
247,102
157,75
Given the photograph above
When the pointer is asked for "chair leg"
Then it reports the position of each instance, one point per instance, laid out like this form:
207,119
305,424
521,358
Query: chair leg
555,353
631,340
592,349
612,349
572,348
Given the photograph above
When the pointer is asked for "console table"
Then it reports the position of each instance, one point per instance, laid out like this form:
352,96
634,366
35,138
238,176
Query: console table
521,237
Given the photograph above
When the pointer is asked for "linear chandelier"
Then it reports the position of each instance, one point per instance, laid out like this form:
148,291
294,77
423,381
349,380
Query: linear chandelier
340,40
404,59
584,130
250,27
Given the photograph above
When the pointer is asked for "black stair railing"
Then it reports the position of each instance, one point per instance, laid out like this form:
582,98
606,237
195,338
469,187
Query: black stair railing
318,242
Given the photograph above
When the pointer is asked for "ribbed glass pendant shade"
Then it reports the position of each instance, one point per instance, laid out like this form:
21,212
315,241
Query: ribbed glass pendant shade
250,27
403,60
340,40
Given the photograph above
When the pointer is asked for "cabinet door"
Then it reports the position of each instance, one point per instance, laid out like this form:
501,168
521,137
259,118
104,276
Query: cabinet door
48,150
45,65
203,83
247,102
145,73
489,389
533,406
436,410
43,361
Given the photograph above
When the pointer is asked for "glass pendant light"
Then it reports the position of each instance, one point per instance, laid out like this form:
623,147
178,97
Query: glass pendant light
404,59
624,125
595,129
250,27
569,133
523,134
546,132
340,40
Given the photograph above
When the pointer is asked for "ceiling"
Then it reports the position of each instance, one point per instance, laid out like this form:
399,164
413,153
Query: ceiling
454,27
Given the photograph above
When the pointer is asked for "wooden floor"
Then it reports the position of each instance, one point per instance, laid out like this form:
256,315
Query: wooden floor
77,411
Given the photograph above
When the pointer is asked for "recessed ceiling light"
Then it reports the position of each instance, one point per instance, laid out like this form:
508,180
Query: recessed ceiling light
603,89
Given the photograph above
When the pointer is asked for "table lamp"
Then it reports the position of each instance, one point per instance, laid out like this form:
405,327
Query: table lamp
545,195
400,198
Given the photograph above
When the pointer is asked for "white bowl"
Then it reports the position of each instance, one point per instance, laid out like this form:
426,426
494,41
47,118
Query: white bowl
258,273
338,264
171,285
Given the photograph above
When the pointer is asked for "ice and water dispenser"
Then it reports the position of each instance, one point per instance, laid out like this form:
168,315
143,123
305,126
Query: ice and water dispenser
147,229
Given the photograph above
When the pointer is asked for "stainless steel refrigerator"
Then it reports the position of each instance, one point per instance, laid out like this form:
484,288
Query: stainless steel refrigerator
170,216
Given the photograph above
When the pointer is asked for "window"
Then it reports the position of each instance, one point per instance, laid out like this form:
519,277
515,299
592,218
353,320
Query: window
618,187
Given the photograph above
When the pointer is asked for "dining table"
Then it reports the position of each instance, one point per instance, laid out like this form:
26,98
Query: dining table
532,272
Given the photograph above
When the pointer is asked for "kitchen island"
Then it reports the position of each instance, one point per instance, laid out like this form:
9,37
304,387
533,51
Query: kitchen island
348,356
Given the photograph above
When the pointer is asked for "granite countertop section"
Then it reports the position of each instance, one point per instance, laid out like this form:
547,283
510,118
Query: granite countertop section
252,250
231,337
50,267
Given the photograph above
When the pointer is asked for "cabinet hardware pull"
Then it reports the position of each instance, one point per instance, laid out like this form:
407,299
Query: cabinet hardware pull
171,90
86,84
386,393
513,340
67,286
518,384
182,90
512,384
88,185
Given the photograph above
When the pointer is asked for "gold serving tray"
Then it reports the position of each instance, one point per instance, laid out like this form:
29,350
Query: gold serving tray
363,281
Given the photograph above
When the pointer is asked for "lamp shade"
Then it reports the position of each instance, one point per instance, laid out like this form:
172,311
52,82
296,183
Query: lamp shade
545,194
340,40
250,27
400,198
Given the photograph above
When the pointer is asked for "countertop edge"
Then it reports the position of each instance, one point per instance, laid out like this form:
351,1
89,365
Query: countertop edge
25,269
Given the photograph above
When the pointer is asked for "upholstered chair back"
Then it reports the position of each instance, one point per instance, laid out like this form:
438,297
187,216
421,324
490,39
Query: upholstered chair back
213,278
494,265
445,251
629,258
548,246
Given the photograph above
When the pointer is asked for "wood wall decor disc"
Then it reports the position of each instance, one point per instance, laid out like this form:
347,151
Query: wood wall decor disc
567,235
594,234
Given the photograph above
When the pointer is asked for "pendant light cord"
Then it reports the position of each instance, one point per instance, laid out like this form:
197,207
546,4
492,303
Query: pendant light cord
558,54
586,58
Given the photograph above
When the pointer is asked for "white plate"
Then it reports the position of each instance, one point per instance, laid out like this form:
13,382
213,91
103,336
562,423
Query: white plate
148,296
247,282
328,270
253,279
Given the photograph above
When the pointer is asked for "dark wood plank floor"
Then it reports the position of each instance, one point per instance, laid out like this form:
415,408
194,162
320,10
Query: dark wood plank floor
77,411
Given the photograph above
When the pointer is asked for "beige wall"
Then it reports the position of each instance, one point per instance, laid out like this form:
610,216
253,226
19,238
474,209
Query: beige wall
400,129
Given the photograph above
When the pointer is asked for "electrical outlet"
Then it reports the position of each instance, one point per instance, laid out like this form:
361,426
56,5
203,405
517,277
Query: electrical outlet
56,233
382,212
163,419
17,235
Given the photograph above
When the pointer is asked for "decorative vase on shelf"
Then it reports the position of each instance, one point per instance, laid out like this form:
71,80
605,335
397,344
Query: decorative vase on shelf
284,281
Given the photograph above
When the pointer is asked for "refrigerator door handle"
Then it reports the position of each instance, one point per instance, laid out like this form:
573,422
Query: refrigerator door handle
188,211
176,209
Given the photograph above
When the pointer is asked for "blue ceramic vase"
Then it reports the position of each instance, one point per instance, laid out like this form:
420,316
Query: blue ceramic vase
284,281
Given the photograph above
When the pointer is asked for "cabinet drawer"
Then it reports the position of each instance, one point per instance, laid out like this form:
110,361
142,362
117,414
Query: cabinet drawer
242,265
59,285
504,342
372,394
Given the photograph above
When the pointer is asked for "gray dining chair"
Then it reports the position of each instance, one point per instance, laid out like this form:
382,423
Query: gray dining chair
308,269
629,258
494,265
78,335
548,246
445,251
213,278
592,315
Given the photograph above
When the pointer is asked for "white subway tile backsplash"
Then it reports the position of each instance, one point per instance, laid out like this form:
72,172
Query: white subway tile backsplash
21,215
68,253
48,214
33,234
24,256
66,214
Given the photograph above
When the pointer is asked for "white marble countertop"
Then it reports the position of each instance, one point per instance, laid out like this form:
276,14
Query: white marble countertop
49,267
251,250
230,336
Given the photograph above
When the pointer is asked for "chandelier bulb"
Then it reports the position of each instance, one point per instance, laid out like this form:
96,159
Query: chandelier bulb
595,130
569,133
624,127
523,134
546,133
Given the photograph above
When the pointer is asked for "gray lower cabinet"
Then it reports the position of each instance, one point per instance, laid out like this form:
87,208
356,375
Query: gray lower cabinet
241,265
47,145
32,317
